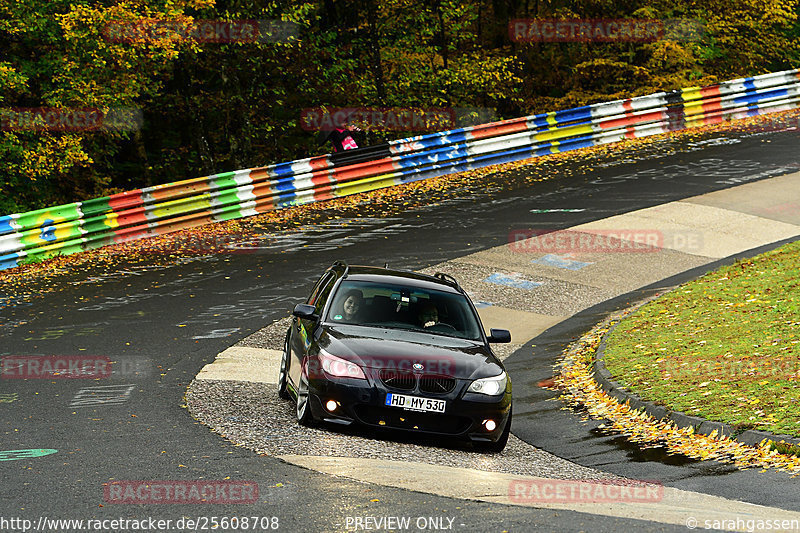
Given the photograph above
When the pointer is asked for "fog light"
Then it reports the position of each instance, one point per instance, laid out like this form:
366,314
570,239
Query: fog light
331,405
490,425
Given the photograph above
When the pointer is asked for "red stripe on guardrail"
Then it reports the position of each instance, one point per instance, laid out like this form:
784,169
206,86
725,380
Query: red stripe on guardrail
125,200
631,119
363,170
322,181
517,125
317,163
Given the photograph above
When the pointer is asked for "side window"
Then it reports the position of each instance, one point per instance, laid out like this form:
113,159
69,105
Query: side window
318,287
322,297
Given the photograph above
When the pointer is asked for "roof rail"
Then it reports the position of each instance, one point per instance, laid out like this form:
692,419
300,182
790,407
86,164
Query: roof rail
447,278
343,265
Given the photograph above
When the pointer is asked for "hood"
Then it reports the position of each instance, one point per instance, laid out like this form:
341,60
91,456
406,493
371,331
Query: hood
395,349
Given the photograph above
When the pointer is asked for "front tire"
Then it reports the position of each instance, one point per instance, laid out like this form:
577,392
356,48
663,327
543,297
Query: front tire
304,416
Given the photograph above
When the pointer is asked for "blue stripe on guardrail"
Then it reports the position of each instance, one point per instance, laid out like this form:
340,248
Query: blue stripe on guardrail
285,200
284,185
441,138
761,96
5,225
431,156
9,260
578,113
415,158
283,169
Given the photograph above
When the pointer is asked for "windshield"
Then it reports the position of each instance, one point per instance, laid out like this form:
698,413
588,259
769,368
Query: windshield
396,306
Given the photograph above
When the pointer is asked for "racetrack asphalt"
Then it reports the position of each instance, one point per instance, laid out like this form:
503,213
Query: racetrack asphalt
163,325
265,426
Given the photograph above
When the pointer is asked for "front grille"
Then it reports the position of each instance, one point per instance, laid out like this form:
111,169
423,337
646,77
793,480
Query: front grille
436,384
398,380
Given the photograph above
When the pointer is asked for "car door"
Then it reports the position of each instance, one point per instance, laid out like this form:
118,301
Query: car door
303,330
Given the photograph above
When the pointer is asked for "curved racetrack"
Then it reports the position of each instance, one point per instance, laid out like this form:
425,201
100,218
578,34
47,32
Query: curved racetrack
161,325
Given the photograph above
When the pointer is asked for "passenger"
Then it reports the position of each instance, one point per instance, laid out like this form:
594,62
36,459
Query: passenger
352,305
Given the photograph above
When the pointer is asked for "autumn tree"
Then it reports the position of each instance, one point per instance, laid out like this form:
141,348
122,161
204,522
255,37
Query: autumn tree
55,55
207,107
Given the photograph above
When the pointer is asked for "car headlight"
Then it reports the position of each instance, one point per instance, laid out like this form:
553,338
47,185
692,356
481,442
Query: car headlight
338,367
490,386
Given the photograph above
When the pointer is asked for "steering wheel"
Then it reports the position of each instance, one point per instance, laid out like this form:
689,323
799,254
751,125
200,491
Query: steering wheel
442,326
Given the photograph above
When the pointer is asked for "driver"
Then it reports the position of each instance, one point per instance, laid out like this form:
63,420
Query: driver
428,315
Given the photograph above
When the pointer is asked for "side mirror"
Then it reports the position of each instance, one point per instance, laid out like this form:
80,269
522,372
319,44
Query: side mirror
499,336
305,311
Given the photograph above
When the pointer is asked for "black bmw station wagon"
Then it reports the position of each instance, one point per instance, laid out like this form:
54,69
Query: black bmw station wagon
396,350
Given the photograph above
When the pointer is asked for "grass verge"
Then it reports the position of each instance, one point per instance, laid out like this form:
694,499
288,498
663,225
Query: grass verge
725,347
575,380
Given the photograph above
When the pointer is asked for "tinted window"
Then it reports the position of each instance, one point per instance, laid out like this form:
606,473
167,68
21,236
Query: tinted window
325,291
397,306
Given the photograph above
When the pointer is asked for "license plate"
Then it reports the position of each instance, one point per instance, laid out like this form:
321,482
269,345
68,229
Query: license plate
415,403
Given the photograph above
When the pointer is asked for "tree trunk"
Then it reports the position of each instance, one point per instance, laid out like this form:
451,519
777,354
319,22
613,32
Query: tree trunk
442,35
375,56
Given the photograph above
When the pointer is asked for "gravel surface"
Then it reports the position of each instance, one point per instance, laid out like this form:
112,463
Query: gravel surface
502,351
251,415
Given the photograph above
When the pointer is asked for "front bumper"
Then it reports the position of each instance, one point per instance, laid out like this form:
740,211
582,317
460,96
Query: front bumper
362,402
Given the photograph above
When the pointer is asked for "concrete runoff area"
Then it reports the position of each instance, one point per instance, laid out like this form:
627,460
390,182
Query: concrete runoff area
661,504
607,273
698,229
553,297
779,202
240,363
523,326
710,226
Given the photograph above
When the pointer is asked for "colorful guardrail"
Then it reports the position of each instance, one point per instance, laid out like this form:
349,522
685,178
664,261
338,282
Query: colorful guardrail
166,208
